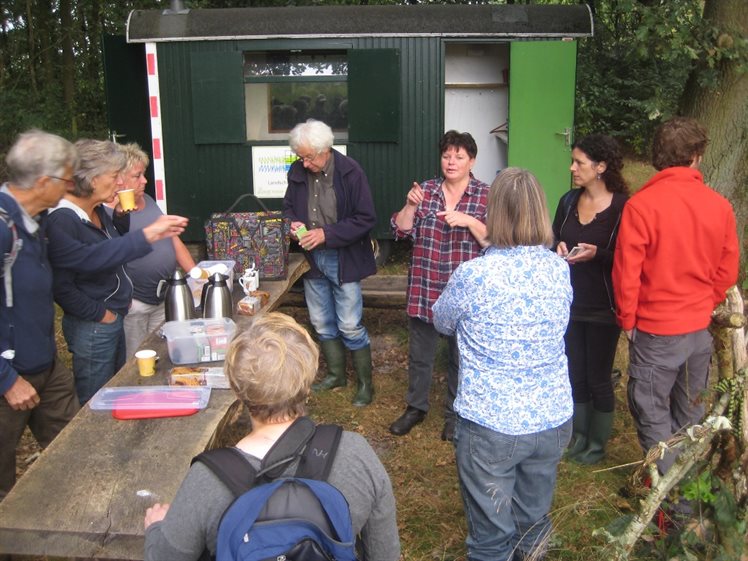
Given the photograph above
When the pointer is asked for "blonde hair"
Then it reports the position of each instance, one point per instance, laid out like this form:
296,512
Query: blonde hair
271,366
134,155
517,211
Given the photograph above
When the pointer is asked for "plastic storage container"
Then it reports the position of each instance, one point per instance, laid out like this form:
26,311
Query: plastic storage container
196,285
198,340
148,402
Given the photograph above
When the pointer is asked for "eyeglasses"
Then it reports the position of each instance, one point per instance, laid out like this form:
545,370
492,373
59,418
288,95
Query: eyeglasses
62,179
306,159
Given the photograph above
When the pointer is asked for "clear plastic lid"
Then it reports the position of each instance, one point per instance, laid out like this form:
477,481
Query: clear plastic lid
138,398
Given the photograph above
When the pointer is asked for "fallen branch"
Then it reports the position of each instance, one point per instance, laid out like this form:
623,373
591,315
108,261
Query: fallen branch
696,442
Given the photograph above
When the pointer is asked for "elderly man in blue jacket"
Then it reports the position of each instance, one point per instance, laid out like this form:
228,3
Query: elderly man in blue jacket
331,210
37,388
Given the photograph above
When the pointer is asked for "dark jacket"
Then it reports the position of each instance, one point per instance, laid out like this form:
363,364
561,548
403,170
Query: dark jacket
104,285
356,217
28,327
598,271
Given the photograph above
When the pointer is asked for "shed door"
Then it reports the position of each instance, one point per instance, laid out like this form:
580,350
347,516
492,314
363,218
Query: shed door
126,89
541,111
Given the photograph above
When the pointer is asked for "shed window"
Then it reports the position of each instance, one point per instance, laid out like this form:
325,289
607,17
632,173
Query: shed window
286,88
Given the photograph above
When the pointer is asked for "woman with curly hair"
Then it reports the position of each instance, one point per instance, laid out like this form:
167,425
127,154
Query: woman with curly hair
585,230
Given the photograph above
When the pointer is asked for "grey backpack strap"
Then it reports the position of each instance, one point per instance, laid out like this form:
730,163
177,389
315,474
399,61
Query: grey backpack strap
9,257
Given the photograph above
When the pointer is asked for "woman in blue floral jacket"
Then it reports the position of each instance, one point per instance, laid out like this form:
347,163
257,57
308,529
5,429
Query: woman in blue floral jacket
509,309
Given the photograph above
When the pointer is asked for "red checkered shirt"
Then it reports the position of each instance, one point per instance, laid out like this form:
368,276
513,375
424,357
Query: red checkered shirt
439,249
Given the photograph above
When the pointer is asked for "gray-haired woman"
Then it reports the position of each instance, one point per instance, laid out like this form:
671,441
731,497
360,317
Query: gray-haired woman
96,302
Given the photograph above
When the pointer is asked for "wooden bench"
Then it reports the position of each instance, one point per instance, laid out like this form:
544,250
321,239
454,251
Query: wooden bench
86,496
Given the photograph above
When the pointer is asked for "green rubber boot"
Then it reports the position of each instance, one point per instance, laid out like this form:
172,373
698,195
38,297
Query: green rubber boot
601,426
580,427
362,368
334,352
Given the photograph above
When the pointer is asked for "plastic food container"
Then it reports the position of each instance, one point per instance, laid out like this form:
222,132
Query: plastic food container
196,285
145,402
198,340
191,376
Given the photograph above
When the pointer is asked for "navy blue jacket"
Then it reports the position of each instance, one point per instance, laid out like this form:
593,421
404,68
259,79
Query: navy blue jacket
27,327
356,217
104,284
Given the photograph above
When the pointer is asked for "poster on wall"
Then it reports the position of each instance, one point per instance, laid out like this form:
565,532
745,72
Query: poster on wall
270,165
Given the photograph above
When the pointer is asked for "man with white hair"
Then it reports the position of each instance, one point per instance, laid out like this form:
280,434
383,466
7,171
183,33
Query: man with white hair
331,210
37,388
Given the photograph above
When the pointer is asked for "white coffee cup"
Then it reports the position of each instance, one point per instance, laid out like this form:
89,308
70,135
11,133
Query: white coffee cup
250,280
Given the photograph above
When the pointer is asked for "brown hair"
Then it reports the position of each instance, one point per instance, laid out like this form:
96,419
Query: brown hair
457,140
603,148
677,141
517,211
271,366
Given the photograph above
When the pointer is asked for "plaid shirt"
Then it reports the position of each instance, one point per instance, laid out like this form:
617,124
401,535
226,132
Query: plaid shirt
439,249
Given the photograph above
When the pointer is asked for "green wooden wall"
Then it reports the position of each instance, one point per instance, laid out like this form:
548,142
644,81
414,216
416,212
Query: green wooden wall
206,177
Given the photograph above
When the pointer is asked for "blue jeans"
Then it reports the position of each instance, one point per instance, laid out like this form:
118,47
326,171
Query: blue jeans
507,485
98,352
335,309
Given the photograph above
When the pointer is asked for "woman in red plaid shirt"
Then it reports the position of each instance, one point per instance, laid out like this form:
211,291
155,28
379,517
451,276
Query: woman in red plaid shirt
445,217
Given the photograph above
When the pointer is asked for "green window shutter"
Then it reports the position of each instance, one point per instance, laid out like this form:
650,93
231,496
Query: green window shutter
374,95
217,97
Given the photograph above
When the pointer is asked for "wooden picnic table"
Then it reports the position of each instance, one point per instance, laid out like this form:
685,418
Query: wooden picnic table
86,496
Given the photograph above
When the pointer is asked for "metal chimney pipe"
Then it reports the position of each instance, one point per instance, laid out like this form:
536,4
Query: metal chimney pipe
177,7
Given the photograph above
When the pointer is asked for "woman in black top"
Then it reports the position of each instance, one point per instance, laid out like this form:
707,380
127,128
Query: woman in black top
585,229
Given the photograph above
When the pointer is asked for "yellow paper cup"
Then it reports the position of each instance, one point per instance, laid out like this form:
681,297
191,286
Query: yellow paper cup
146,362
126,199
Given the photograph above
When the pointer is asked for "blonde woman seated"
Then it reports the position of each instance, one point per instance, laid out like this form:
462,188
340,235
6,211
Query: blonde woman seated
271,366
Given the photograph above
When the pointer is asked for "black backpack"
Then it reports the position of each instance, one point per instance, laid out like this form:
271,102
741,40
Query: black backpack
292,518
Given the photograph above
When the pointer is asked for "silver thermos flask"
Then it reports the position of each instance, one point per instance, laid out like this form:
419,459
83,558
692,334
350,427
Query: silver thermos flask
178,301
216,297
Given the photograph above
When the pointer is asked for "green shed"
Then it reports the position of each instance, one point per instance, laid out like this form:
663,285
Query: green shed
215,92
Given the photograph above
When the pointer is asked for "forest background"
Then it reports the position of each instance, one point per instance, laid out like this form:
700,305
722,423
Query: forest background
648,60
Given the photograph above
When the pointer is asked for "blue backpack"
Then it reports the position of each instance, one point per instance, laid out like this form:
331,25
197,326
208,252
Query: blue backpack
299,518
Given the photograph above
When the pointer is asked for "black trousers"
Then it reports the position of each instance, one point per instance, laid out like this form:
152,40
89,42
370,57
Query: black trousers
591,349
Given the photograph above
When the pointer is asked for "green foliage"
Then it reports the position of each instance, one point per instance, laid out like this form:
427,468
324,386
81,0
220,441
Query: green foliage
631,74
699,489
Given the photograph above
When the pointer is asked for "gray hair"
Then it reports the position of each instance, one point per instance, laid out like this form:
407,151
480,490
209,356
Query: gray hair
135,155
36,154
313,134
96,157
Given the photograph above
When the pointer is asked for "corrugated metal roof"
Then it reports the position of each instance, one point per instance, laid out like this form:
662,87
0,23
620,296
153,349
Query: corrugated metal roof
469,21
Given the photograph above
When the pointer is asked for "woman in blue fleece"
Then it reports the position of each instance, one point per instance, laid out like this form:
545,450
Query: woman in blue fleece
96,303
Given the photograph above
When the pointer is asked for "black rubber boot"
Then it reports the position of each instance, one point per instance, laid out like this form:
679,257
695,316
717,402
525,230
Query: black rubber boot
362,368
601,426
334,352
580,428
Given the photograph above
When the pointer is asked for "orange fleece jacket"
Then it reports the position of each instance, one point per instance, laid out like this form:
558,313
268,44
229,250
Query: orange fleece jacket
677,254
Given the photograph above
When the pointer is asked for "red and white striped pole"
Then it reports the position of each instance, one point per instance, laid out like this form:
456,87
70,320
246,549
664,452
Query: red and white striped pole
157,143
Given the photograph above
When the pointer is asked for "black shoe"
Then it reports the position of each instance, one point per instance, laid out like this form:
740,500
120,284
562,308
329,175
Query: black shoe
407,421
448,432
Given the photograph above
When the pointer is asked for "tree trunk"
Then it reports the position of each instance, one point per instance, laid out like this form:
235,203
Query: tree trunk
68,62
32,47
45,30
724,110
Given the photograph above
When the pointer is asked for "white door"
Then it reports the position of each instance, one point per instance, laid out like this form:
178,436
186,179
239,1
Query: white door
476,101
